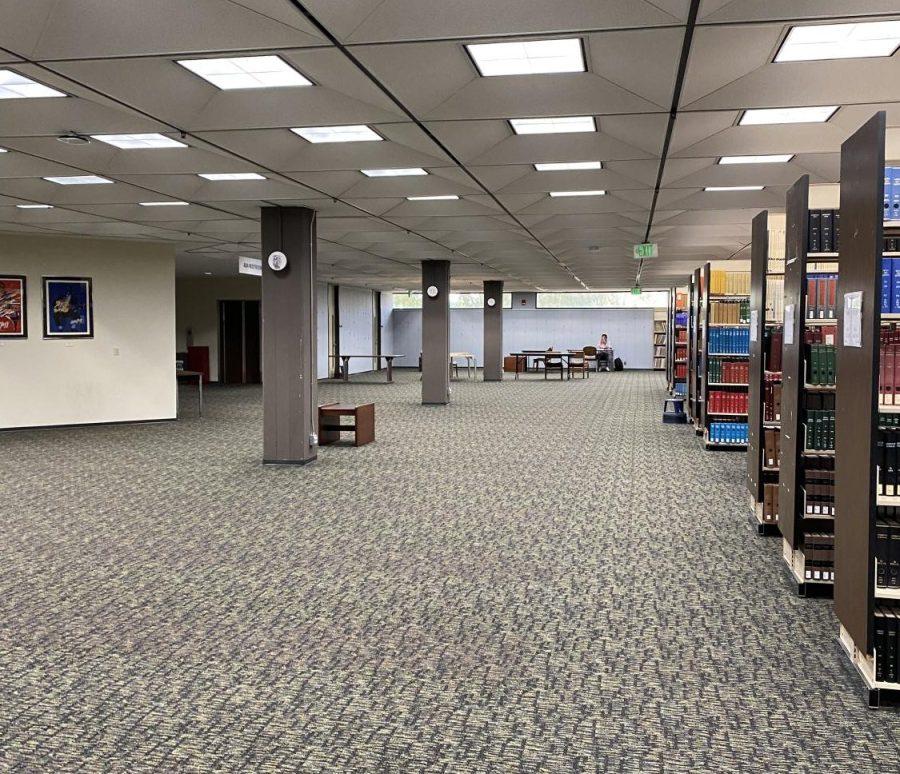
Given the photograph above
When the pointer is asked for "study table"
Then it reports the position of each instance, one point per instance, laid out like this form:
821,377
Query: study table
198,375
345,364
542,353
471,364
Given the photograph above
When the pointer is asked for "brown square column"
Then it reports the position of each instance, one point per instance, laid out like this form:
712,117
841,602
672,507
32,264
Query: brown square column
493,331
435,332
290,393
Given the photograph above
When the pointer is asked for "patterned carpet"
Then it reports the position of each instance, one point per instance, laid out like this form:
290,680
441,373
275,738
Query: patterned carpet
540,577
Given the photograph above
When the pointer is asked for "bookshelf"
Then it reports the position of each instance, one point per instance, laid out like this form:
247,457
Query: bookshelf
805,515
723,358
695,301
764,387
678,341
866,604
660,336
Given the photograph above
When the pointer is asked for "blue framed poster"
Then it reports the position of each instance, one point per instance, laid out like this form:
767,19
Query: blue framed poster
68,310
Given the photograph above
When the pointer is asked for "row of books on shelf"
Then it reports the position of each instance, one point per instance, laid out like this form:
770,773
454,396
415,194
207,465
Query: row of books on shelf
820,429
890,285
727,402
892,193
820,364
729,341
824,233
729,283
681,370
681,318
728,371
731,310
772,345
887,549
818,556
889,375
772,397
886,635
887,458
680,388
681,300
681,336
821,296
818,485
774,299
771,448
729,433
770,503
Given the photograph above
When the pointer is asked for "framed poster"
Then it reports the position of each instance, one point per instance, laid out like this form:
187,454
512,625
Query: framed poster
68,311
13,320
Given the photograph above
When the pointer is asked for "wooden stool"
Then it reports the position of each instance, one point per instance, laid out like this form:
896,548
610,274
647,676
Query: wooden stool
330,427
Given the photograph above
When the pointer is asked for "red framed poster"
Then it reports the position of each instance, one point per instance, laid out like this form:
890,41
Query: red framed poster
13,320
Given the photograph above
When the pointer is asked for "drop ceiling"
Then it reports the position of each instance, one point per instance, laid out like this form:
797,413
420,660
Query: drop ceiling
401,67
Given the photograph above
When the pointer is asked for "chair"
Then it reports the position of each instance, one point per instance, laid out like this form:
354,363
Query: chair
577,363
590,355
553,362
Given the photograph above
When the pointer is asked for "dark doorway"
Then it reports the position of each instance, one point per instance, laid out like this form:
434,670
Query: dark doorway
239,342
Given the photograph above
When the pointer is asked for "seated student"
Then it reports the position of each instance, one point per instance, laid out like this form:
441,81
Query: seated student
604,353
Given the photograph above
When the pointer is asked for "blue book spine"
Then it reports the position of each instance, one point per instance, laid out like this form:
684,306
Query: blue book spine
895,193
887,275
888,191
895,285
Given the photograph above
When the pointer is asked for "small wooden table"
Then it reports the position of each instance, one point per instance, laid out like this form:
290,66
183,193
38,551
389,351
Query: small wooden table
330,427
345,364
198,375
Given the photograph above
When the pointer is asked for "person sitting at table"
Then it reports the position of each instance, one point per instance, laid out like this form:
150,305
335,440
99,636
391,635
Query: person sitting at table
604,353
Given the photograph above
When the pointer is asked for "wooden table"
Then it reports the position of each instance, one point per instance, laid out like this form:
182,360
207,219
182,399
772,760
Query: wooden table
527,353
471,364
345,364
198,375
330,427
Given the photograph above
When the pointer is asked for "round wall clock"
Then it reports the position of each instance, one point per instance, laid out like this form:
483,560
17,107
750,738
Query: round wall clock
431,291
277,261
492,302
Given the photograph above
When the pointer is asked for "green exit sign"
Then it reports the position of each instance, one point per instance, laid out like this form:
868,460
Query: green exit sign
635,291
646,250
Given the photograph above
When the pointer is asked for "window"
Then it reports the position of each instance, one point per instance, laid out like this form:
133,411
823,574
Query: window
614,299
413,300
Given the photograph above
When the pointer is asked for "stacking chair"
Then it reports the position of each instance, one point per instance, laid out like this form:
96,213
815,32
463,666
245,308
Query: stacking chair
578,363
590,356
553,363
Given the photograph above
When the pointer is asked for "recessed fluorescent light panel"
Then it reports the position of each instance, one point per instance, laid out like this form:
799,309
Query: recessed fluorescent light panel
840,41
15,86
3,150
444,198
35,206
163,204
564,165
219,176
530,57
734,188
139,141
797,115
779,158
246,72
319,134
78,180
393,172
564,125
556,194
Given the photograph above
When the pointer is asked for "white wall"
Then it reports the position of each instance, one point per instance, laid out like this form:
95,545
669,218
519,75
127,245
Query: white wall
387,324
126,372
321,330
629,330
356,315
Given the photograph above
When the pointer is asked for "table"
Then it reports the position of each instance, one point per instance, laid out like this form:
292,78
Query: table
330,427
198,375
527,353
345,364
471,363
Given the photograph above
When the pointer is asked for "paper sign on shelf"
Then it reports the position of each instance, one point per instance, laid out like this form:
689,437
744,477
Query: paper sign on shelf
252,266
853,319
754,324
789,324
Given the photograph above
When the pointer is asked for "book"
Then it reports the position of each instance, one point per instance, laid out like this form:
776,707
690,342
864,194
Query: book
887,270
826,224
815,231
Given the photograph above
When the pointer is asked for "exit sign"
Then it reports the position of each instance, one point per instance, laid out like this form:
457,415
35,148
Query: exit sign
636,290
646,250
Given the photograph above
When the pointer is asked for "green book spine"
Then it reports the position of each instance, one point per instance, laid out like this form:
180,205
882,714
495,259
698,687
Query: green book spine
832,365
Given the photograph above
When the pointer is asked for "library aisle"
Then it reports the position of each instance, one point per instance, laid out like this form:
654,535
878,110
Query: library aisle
542,577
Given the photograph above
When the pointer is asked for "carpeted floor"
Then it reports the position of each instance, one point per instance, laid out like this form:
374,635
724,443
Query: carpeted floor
540,577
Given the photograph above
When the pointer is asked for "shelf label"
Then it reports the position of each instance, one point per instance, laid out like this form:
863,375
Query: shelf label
789,324
853,319
754,324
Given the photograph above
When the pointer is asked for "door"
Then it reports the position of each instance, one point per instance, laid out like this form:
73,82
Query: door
239,342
